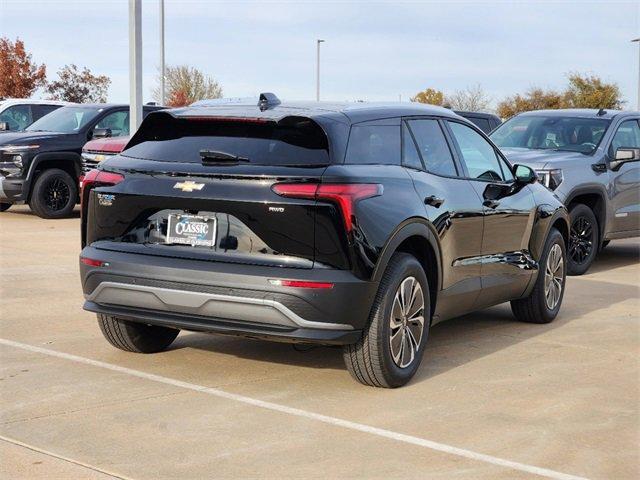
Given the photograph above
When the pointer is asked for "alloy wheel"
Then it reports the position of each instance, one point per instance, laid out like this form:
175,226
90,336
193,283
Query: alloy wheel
554,277
56,194
406,322
581,240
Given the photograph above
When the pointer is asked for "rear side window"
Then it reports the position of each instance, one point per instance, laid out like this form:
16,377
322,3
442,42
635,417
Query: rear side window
433,147
481,123
290,141
40,111
374,143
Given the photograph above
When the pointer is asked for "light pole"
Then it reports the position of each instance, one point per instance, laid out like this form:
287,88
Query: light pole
318,42
638,41
135,65
162,99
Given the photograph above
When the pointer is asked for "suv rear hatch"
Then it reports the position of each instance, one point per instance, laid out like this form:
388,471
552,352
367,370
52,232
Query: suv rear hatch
201,188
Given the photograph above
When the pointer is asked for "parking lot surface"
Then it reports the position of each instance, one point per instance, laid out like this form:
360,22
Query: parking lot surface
493,398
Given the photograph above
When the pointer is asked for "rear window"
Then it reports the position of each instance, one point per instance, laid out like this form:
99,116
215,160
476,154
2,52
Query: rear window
290,141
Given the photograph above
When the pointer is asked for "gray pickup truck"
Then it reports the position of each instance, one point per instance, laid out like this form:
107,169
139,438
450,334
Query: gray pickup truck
591,160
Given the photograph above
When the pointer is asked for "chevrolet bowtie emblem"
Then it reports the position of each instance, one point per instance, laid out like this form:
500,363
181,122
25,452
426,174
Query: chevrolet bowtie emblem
189,186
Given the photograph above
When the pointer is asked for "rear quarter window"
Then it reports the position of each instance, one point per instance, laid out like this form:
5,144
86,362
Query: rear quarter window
375,143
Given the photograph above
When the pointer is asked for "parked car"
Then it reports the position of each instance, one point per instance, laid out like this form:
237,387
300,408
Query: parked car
487,122
18,113
95,151
347,224
590,160
41,165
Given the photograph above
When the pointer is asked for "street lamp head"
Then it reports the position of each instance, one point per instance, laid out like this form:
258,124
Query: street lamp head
636,40
320,41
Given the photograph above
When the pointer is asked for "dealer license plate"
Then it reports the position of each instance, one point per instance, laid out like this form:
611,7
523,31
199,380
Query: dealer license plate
192,230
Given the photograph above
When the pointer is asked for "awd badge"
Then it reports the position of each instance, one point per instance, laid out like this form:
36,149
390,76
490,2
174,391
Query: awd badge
106,199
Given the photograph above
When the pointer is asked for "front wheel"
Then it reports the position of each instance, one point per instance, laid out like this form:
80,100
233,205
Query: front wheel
391,348
543,303
54,194
583,239
4,207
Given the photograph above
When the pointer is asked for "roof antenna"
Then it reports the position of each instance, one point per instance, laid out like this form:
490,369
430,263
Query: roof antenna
601,112
268,100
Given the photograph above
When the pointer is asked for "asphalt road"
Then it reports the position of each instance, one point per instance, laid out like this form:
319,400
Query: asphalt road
494,398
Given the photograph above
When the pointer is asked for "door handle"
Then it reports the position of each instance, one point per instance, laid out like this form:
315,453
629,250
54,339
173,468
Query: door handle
434,201
491,203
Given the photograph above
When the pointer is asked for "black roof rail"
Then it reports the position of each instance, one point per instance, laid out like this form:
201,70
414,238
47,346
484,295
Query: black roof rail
268,100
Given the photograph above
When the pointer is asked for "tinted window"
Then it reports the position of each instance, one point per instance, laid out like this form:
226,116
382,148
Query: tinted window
40,111
628,135
552,133
290,141
18,117
481,123
117,122
374,144
433,147
478,155
410,156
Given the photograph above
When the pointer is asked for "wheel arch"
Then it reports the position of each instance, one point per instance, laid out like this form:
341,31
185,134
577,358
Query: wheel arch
70,162
417,237
594,197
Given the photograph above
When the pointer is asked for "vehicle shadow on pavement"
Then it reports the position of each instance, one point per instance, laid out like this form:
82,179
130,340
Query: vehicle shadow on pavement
615,256
25,211
452,343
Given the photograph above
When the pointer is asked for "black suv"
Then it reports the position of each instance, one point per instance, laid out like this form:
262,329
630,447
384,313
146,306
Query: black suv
41,165
591,161
348,224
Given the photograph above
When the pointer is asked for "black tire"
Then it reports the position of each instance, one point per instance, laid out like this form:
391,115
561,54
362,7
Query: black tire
370,361
5,206
54,194
583,239
534,308
135,337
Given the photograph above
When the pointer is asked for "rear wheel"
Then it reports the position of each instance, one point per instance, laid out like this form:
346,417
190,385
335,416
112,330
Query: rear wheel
4,207
543,303
136,337
391,348
54,194
583,239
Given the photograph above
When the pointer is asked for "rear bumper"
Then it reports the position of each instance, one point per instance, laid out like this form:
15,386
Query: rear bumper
227,298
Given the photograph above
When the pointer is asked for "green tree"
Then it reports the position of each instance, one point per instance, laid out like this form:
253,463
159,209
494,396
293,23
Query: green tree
430,96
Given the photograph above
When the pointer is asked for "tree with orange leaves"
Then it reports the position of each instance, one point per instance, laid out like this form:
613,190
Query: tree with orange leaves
19,75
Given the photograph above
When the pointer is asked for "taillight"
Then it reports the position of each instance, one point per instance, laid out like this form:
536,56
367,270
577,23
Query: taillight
96,178
92,262
301,284
345,195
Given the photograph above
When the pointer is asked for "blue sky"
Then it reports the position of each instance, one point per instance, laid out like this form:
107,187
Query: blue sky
374,50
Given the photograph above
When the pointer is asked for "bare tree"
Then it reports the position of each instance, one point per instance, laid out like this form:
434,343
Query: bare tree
472,99
185,85
78,86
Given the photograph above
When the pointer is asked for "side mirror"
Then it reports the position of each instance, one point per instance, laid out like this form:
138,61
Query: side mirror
624,155
524,174
101,132
4,126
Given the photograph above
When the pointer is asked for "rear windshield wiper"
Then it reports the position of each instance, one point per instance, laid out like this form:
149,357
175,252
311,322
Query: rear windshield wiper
218,157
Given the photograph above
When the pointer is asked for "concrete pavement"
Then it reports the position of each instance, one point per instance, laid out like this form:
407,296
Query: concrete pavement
563,397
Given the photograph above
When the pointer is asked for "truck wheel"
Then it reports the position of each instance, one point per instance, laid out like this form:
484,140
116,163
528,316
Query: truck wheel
543,303
54,194
391,348
135,337
583,239
4,207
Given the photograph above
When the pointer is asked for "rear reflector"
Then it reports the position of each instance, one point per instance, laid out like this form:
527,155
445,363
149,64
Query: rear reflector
93,263
345,195
300,284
